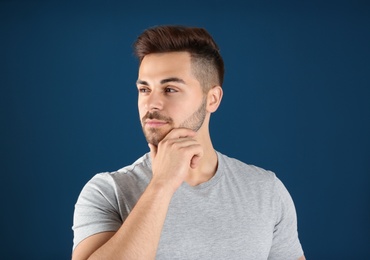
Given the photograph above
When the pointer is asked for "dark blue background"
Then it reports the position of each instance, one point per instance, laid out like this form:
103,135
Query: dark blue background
296,101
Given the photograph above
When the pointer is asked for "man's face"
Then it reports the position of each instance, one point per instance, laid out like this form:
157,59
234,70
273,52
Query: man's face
169,95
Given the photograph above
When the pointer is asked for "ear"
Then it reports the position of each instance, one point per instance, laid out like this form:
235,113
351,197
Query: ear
214,98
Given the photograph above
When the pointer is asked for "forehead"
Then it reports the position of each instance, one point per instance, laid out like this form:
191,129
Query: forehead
174,64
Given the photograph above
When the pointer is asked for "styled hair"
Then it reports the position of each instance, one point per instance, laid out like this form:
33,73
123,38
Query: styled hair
207,63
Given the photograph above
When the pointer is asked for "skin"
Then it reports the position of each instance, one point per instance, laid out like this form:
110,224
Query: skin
180,147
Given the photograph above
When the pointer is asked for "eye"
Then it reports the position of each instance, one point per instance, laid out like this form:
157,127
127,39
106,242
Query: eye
143,90
170,90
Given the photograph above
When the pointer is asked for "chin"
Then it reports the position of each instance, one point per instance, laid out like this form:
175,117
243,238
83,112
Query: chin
155,137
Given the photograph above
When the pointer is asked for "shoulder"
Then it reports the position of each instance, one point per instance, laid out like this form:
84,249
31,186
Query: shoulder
247,178
131,178
241,169
141,164
140,169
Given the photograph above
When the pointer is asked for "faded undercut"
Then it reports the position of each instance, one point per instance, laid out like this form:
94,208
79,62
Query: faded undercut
206,61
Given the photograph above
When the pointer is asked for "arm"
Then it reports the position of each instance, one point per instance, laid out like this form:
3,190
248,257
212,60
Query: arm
285,244
142,227
139,235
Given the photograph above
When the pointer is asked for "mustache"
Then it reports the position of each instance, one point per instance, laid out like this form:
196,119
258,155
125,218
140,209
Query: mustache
156,115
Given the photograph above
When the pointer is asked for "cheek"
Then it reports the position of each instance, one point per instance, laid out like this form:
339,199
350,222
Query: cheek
141,113
180,114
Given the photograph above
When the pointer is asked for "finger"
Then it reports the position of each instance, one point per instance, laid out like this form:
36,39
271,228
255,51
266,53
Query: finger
195,160
180,133
194,151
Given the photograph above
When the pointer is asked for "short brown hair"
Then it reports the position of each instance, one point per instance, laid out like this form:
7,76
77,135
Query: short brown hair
207,63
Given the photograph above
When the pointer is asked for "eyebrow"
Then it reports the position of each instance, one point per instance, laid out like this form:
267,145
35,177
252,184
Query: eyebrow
163,81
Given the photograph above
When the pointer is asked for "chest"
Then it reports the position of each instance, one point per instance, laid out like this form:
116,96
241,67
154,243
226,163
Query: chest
212,226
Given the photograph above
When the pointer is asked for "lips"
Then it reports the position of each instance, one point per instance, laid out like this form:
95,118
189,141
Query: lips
155,120
154,123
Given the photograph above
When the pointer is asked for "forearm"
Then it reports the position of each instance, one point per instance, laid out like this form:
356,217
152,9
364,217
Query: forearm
139,235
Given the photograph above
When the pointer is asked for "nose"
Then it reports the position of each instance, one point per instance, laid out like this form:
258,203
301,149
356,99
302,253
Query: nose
154,101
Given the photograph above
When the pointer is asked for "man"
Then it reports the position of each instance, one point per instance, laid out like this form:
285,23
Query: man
183,200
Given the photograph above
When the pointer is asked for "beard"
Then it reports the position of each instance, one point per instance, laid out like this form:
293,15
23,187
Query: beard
193,122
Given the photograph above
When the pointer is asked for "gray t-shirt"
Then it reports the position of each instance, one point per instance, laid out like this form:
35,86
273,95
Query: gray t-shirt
243,212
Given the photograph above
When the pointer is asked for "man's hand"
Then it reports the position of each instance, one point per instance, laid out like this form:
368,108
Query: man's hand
175,155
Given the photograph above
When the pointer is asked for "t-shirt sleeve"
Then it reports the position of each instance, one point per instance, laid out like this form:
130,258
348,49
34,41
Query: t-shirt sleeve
285,244
96,209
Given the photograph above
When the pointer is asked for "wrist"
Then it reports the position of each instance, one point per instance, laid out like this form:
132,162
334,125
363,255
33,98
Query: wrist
161,188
